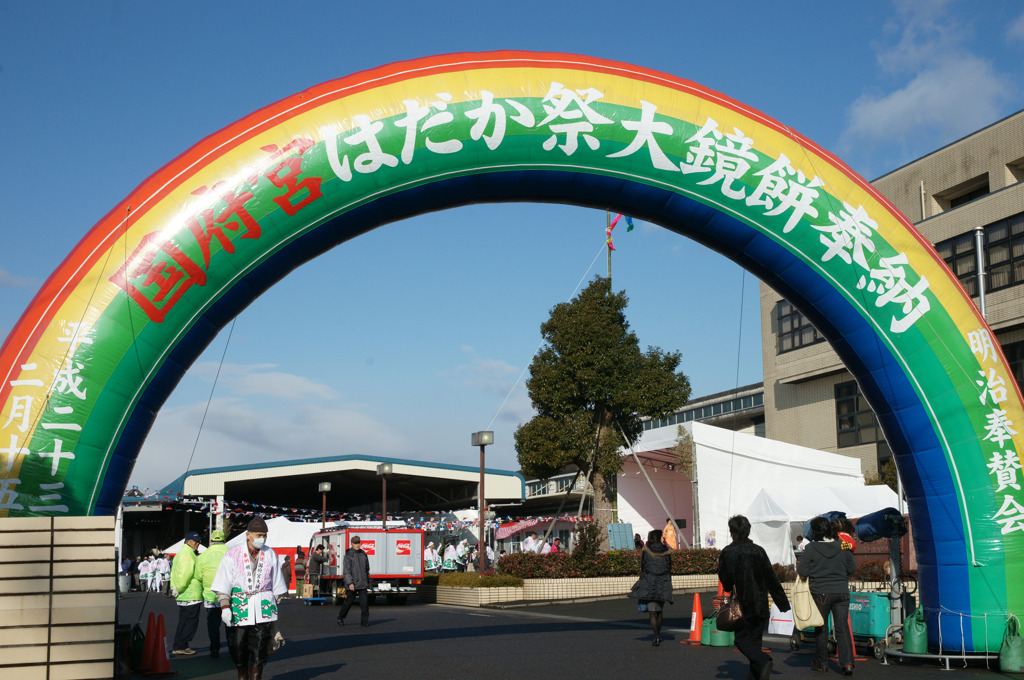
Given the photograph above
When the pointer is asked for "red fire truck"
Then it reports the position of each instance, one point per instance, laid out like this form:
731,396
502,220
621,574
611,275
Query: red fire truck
395,556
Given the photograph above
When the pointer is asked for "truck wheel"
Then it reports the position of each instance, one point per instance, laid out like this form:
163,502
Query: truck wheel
336,595
397,599
879,650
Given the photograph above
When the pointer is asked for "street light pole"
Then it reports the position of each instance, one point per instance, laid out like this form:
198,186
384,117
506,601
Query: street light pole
324,488
383,470
482,439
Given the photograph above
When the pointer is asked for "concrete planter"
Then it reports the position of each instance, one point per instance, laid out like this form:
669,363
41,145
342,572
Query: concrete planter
467,597
545,589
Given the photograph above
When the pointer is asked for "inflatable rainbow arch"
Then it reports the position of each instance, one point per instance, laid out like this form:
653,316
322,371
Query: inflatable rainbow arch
116,325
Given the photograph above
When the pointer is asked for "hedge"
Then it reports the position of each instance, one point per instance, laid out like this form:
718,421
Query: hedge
613,563
473,580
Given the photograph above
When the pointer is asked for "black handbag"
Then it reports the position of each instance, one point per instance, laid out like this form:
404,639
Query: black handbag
730,615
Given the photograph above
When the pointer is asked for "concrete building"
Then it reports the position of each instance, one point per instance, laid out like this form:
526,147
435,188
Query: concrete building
967,193
739,410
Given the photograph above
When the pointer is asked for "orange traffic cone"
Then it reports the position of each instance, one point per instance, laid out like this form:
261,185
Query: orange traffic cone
161,666
716,601
696,621
147,649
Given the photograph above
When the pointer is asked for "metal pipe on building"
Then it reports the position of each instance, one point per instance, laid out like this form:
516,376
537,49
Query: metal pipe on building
979,247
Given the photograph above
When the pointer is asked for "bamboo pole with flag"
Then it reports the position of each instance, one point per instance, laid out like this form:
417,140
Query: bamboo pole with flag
608,232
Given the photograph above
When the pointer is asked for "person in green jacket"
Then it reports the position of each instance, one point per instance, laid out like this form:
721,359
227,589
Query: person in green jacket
206,568
189,594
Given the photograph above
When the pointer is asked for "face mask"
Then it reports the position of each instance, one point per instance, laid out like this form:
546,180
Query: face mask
258,543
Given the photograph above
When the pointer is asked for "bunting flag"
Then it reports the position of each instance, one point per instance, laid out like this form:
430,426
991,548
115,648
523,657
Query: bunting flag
432,520
611,225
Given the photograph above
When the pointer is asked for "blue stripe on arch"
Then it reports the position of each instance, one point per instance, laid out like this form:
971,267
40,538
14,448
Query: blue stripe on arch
899,410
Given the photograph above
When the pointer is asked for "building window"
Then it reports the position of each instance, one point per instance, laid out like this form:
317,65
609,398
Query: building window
794,330
703,412
855,421
1004,255
1015,358
968,197
1005,252
961,256
965,192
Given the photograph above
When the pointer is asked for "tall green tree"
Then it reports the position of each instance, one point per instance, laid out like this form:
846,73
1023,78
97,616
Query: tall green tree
590,384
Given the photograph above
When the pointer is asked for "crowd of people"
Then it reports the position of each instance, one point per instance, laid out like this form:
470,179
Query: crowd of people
745,571
240,586
150,573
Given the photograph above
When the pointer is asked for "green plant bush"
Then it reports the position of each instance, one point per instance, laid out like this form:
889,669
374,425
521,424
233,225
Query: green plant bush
613,563
471,579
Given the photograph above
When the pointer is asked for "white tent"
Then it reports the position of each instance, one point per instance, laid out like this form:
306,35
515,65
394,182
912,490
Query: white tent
731,468
176,548
284,533
281,533
774,510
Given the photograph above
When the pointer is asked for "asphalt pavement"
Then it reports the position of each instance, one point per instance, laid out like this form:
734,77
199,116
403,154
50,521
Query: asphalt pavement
605,638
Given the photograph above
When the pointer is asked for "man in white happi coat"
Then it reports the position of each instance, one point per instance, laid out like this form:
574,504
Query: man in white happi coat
462,554
247,585
449,563
145,566
530,544
154,574
432,561
163,567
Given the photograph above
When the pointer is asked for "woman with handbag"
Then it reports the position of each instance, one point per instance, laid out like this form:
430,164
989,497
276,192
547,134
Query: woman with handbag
655,583
746,572
828,568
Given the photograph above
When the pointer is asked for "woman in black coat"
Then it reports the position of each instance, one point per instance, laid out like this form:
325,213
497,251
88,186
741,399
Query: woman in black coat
745,571
827,567
655,584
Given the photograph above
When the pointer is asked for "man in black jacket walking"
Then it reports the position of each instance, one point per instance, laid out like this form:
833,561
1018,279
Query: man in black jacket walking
356,569
745,571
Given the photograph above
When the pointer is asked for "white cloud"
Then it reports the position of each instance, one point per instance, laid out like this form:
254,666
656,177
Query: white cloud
9,280
500,379
952,98
1015,31
939,90
237,433
926,32
259,379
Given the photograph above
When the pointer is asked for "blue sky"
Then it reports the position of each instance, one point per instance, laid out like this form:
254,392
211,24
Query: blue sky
438,316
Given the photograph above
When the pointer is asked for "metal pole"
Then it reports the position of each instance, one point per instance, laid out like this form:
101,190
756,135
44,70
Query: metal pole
608,223
323,517
481,548
979,246
384,503
895,572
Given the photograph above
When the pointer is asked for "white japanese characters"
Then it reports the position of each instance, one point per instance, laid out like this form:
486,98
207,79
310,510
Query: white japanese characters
711,157
67,383
1003,463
